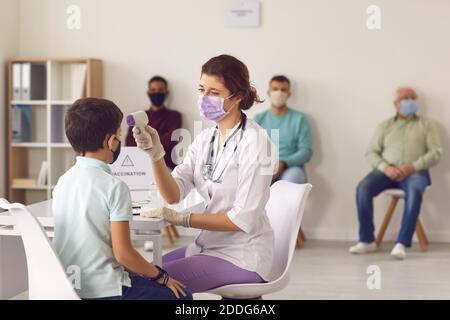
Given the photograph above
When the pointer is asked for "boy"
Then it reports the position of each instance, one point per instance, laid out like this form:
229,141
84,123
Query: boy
92,211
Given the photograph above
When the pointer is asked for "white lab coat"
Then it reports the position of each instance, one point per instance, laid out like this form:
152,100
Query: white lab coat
243,195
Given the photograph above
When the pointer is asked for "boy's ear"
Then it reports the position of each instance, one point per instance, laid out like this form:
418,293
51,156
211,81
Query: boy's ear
109,142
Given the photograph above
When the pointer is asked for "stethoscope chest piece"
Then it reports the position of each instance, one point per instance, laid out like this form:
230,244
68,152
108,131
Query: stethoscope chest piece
207,171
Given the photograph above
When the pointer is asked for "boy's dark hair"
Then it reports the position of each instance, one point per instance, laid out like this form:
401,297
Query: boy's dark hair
280,78
158,78
89,121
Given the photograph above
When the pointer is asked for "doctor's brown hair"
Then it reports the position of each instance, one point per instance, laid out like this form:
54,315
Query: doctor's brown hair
235,77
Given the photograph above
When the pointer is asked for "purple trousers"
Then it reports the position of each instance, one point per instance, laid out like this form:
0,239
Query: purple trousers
200,273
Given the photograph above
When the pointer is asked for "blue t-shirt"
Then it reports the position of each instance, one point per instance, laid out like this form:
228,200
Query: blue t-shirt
85,200
295,140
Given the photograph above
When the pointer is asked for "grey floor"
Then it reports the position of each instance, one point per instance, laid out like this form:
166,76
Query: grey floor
325,270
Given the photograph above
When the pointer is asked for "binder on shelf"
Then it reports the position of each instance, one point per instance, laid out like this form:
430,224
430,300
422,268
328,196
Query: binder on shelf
43,174
26,81
78,74
38,83
16,124
29,81
72,82
57,117
17,81
65,139
21,122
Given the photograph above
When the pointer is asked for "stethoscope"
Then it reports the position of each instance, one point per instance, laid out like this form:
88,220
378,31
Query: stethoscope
209,168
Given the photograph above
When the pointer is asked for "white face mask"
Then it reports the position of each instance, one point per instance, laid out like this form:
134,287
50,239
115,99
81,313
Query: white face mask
278,98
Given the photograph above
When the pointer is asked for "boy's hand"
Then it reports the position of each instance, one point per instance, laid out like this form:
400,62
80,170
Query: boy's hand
148,140
176,287
172,216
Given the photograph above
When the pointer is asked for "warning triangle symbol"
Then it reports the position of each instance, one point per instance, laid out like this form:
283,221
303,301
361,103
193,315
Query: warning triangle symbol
127,162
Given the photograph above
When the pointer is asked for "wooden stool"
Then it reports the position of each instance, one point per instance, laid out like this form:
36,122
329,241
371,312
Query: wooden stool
397,194
300,238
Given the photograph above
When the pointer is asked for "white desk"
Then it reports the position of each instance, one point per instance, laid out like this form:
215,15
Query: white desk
13,272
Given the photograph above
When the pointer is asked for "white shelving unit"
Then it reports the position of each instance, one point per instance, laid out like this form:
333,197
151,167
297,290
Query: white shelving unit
65,81
29,145
29,102
26,187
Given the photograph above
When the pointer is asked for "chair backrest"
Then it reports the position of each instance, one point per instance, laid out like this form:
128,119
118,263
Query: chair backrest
285,211
47,278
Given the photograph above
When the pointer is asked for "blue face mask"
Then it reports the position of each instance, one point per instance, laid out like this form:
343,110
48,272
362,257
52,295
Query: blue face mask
408,107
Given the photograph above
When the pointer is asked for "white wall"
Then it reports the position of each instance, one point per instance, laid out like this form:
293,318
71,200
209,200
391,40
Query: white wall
9,46
343,74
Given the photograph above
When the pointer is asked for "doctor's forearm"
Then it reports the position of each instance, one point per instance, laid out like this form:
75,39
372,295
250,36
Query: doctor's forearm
213,222
165,182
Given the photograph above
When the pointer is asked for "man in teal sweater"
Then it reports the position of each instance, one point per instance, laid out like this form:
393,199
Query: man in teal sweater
294,135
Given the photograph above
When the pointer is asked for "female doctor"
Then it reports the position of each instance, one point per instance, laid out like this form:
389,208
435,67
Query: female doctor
225,164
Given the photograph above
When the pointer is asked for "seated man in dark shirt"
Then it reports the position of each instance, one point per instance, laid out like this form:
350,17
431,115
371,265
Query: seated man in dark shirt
164,120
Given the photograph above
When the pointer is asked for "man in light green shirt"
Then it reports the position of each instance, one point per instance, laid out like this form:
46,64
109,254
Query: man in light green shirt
401,152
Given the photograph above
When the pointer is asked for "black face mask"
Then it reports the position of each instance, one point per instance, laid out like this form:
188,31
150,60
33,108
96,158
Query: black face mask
116,153
157,98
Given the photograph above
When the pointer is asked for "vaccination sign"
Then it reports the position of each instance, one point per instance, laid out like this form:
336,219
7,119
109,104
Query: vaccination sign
134,168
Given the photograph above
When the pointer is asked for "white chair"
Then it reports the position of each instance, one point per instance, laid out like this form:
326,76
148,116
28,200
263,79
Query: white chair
395,195
285,211
47,279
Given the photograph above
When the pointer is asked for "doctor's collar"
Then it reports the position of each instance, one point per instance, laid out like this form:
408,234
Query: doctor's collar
241,125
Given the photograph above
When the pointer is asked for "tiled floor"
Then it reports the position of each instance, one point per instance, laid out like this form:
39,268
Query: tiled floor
325,270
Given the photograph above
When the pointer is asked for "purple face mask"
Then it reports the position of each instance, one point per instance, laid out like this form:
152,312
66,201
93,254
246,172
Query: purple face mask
211,108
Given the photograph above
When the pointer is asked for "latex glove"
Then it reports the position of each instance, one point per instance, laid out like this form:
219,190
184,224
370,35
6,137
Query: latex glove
172,216
148,140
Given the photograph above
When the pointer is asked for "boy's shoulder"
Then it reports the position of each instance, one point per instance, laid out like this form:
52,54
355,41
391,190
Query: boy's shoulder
117,183
67,176
98,176
108,179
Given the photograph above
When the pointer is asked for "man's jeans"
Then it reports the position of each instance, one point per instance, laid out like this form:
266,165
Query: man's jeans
376,182
294,174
